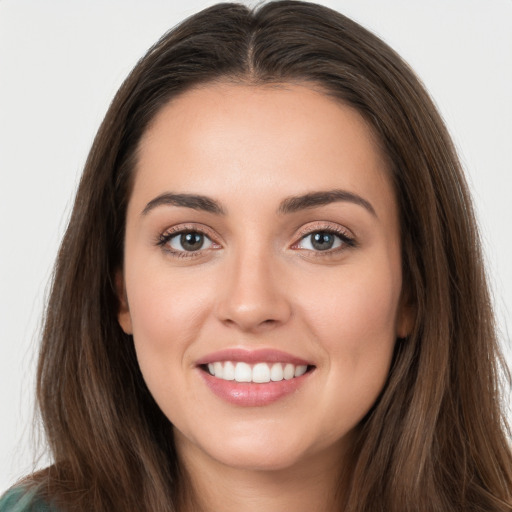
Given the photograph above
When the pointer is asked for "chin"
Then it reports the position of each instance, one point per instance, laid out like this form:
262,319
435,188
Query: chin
263,450
251,459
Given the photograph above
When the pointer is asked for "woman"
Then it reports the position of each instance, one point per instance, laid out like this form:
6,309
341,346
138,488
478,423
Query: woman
270,294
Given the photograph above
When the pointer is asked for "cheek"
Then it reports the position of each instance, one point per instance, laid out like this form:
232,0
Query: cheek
162,302
166,317
356,329
355,323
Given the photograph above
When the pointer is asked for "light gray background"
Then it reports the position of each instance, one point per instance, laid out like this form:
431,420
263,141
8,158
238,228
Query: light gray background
60,65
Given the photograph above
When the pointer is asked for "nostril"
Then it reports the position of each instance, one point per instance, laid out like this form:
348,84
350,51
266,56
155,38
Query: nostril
250,309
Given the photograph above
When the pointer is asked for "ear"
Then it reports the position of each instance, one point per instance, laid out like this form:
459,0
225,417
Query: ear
123,314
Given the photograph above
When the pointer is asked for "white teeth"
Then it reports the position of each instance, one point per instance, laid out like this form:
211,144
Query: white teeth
289,371
276,372
300,370
259,373
218,369
243,372
229,371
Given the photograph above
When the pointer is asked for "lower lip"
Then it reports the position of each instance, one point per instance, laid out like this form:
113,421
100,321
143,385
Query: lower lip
250,394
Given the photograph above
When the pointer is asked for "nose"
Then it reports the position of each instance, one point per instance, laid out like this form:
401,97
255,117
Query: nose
253,295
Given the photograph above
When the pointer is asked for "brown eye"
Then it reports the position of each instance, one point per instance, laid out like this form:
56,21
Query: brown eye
189,241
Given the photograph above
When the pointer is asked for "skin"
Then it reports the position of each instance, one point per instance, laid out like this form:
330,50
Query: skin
261,284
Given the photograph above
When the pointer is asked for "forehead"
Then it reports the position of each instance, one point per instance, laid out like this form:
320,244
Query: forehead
287,139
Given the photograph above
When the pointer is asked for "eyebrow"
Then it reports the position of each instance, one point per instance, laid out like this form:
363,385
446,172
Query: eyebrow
194,201
289,205
322,198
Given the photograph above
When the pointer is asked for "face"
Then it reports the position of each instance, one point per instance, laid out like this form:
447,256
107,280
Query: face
262,273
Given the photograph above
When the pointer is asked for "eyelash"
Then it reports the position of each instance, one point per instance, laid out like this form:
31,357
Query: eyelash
165,238
346,240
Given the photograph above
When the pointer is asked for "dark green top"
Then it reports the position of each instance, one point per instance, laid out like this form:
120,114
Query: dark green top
18,499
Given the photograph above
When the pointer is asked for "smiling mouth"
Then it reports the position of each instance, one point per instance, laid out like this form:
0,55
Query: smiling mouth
259,373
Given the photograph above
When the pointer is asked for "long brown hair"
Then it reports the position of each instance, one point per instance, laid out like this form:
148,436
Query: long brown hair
436,440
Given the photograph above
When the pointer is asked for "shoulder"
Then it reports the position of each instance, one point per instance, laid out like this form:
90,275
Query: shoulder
19,499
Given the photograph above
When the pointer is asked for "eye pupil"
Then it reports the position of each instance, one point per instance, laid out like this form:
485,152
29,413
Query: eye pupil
191,241
322,240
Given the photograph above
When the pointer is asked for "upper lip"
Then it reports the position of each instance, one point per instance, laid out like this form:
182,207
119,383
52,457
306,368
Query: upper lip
252,356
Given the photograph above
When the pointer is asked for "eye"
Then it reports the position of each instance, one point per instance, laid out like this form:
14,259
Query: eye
324,240
320,241
186,241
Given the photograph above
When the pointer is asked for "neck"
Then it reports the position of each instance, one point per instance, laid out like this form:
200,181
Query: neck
315,484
